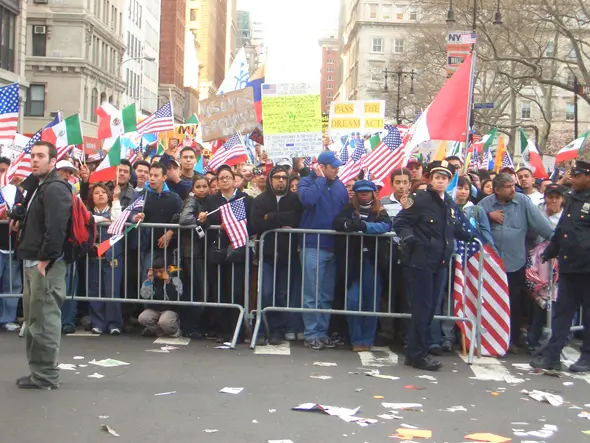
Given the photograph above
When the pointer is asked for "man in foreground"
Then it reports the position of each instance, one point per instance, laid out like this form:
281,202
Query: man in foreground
42,240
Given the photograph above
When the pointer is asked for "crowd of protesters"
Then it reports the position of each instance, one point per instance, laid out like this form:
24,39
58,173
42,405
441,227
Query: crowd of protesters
511,210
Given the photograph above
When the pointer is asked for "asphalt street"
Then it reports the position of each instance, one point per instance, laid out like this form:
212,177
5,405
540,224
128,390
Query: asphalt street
191,377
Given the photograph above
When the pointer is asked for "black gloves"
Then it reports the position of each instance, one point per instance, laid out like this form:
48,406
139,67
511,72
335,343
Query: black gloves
354,225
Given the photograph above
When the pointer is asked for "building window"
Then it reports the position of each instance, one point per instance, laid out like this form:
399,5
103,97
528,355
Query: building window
8,35
39,41
413,13
399,13
85,104
377,45
570,111
331,61
373,10
376,70
386,12
329,95
549,50
93,105
525,110
330,69
329,78
398,46
570,56
329,86
36,101
194,14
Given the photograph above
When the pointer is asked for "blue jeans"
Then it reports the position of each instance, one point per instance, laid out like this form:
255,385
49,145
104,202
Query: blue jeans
362,329
10,275
295,322
320,264
277,321
68,309
105,315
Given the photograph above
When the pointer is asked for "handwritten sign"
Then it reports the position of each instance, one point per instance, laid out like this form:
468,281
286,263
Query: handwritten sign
14,149
292,119
225,114
325,122
257,135
363,116
187,134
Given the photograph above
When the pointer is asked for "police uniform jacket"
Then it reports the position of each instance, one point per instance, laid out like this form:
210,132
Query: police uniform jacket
428,229
571,241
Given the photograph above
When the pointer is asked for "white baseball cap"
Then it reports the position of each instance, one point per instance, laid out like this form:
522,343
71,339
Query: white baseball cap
64,164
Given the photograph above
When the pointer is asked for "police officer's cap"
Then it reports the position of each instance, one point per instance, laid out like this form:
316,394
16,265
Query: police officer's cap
580,167
554,187
442,167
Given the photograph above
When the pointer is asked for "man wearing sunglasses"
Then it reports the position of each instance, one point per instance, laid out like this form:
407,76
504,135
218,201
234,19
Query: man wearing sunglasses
277,207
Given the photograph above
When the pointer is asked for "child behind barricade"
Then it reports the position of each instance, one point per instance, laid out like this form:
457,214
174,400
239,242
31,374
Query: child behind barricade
161,285
105,272
364,214
193,257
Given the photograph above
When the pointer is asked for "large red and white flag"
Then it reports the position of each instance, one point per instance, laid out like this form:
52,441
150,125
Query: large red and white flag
446,117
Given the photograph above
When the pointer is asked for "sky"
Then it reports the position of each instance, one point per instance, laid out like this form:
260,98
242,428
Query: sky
292,30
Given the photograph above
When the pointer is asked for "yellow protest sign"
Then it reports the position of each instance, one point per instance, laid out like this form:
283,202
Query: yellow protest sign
363,116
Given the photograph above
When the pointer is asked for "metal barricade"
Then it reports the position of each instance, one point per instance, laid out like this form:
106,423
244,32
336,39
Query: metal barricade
11,272
267,300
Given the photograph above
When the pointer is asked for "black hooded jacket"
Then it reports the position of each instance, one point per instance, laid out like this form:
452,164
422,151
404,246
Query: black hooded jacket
279,212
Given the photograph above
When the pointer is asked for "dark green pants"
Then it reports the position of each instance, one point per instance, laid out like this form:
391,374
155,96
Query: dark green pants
42,300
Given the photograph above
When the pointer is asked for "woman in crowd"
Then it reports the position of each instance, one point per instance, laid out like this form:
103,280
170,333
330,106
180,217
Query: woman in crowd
349,184
294,182
213,186
193,257
228,273
474,214
486,189
105,272
365,214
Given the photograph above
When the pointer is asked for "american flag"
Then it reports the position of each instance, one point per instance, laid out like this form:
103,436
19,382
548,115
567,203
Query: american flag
386,156
353,167
474,162
9,109
468,39
343,155
97,156
133,153
233,147
307,161
116,227
161,121
233,215
495,316
3,206
507,161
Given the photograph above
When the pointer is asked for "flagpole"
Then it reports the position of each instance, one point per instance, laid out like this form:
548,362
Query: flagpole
470,99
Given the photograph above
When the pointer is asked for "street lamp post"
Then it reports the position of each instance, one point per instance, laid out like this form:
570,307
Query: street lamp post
149,59
451,14
399,74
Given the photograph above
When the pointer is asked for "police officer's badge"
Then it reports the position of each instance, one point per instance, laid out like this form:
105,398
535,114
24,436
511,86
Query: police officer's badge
453,213
586,208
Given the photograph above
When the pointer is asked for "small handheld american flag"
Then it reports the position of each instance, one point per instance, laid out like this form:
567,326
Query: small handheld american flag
162,120
233,215
3,206
233,147
116,228
9,109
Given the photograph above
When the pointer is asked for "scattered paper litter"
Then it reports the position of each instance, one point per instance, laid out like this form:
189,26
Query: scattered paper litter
375,373
427,377
231,390
210,431
568,383
324,363
586,432
519,423
224,346
108,363
544,397
110,430
67,366
159,351
96,375
513,380
321,377
378,397
330,410
174,341
389,416
255,421
584,414
103,417
272,411
78,357
454,409
82,366
401,405
414,388
280,441
522,366
406,434
358,389
404,425
362,422
487,437
550,428
166,393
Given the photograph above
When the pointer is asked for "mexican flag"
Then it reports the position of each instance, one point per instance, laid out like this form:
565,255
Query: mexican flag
484,143
107,170
571,151
113,123
531,157
110,242
373,142
194,120
66,132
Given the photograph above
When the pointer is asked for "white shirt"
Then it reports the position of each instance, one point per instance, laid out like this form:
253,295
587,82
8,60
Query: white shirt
9,195
536,197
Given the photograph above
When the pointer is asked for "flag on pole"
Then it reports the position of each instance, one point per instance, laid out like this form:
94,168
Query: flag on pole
233,215
531,157
193,120
441,153
9,110
485,142
162,120
498,161
446,117
64,132
231,149
113,123
387,156
353,167
116,227
3,205
495,317
106,171
452,186
571,151
238,75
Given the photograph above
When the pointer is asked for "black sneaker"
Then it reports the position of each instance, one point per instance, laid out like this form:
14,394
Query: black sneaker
328,342
582,365
68,329
27,383
436,351
427,364
314,344
542,362
275,340
447,346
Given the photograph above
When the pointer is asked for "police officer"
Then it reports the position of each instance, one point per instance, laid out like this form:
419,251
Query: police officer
427,227
571,246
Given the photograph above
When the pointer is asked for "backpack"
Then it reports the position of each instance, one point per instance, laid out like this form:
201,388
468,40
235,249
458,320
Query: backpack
82,230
